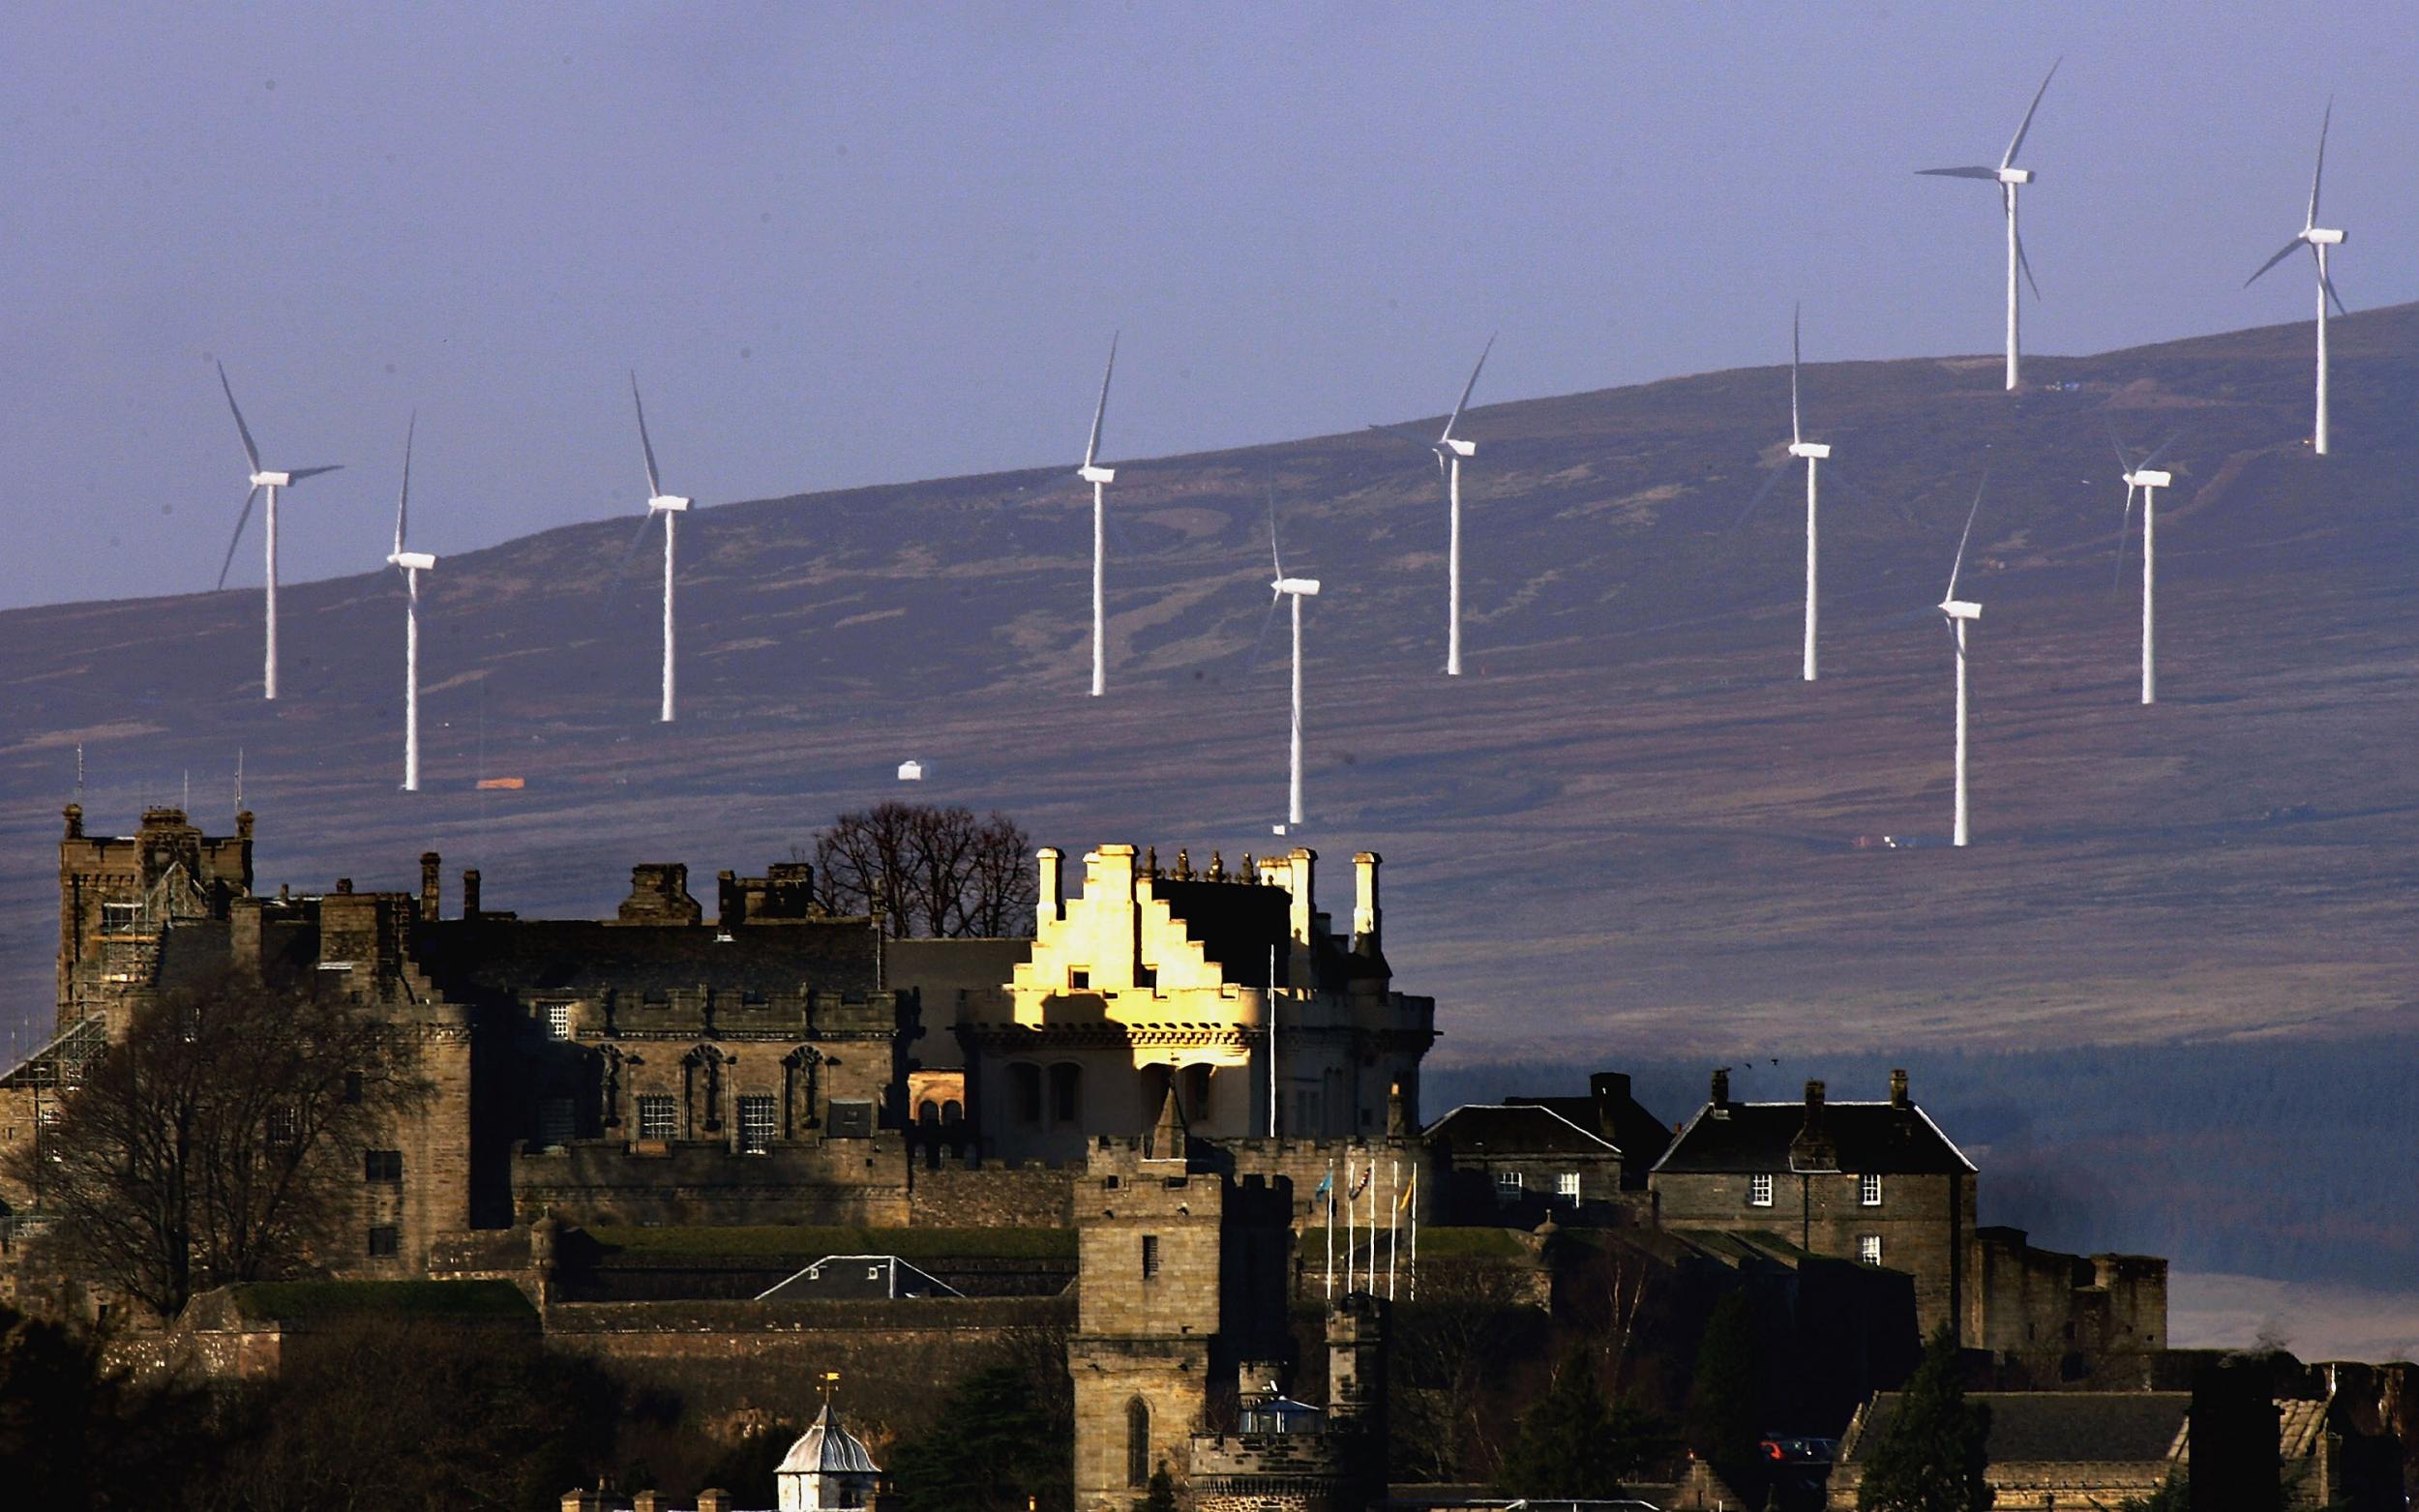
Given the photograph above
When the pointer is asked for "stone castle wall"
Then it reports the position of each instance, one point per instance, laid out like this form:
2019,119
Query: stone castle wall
958,1195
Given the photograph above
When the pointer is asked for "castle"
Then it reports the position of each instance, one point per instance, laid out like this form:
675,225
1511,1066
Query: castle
1171,1065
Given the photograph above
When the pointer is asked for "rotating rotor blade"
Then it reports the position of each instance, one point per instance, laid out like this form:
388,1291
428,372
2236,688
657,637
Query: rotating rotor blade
298,474
1958,565
2125,459
1092,447
1992,174
2319,172
2326,281
1841,485
1795,434
2125,526
2159,454
1251,659
622,569
252,452
2026,263
402,500
1466,391
2016,144
1772,481
1274,560
654,488
2289,249
237,538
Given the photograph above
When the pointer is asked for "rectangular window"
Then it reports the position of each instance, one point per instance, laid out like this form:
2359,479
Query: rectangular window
1868,1191
557,1122
558,1020
1150,1256
1079,977
1567,1186
386,1241
657,1117
120,918
353,1089
1869,1249
1760,1191
1509,1183
280,1129
382,1165
756,1124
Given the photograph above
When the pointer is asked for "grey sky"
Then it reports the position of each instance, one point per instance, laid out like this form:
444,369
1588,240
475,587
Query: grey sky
851,244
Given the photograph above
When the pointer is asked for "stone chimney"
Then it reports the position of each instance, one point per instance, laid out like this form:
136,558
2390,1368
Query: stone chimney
1813,1149
1608,1091
1050,893
1367,919
75,822
1813,1104
470,892
344,887
646,1501
1721,1087
659,894
713,1499
1897,1089
1301,887
429,863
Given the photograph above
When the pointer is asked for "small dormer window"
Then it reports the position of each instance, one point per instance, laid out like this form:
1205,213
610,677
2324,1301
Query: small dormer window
1760,1190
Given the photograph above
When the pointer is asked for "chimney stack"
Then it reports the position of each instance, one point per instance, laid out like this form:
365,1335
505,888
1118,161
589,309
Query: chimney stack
75,822
1050,905
1721,1087
1813,1105
470,893
1897,1088
713,1499
1367,919
429,888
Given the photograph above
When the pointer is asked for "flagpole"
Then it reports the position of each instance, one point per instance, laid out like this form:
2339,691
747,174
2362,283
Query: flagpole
1393,1175
1331,1186
1273,1039
1414,1233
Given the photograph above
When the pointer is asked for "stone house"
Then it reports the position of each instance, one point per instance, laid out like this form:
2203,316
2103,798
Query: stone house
1516,1165
2050,1449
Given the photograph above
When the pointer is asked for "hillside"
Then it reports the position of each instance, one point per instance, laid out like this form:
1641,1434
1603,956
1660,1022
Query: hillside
1631,827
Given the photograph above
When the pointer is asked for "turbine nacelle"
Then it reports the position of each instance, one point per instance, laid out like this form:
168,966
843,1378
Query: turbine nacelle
2318,236
1301,587
668,503
1817,449
1090,473
1961,608
411,561
278,480
1457,446
2015,175
2147,479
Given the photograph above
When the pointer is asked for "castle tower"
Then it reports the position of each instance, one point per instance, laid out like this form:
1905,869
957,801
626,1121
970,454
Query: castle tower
119,893
1357,1389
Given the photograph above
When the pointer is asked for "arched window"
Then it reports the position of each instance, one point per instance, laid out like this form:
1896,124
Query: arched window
928,1112
1196,1097
1066,1092
952,1113
1024,1092
1137,1443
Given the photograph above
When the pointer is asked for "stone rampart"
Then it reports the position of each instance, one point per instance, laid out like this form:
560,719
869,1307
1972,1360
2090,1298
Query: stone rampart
956,1193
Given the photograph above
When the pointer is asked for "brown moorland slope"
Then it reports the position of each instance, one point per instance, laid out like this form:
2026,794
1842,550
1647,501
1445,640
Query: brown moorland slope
1630,830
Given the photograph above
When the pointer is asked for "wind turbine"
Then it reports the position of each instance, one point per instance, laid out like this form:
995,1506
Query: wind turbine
1958,613
411,564
670,506
1297,589
2010,178
2148,480
1093,473
1814,452
261,479
2318,239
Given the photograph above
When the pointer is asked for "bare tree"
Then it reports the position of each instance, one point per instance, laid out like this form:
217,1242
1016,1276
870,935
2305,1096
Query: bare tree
220,1141
926,870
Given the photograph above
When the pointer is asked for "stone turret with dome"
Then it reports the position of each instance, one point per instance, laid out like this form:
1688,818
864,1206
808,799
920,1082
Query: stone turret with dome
826,1467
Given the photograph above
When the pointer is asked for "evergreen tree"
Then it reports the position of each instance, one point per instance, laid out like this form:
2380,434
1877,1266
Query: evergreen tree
1934,1450
1724,1418
1567,1445
993,1442
1161,1494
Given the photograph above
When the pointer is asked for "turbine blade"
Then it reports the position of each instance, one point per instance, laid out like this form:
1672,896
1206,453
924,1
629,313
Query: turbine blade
2125,460
1958,566
2163,448
2124,526
402,500
2022,261
1275,560
1465,390
653,488
252,452
1251,658
2018,143
1092,447
2289,249
1991,174
1771,480
622,569
2319,172
2328,281
298,474
237,538
1795,434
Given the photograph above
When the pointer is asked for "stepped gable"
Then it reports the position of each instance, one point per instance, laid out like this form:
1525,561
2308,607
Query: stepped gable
1884,1138
1238,922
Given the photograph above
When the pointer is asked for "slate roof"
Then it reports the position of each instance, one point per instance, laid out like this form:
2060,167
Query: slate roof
1869,1136
847,1276
1514,1129
472,957
2057,1427
1237,924
1642,1137
828,1449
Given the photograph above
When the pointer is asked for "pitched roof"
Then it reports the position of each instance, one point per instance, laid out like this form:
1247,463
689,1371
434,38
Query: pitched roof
1867,1136
891,1277
1238,923
826,1448
2057,1427
1642,1137
469,958
1515,1129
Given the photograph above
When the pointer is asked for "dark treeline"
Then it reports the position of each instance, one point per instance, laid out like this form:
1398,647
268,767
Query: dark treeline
2284,1157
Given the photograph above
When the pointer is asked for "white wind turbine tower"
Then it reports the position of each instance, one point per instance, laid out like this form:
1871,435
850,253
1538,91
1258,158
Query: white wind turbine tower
670,506
1093,473
1450,449
1958,613
271,481
411,564
1814,452
2010,178
1297,589
2148,480
2318,239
